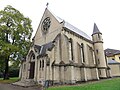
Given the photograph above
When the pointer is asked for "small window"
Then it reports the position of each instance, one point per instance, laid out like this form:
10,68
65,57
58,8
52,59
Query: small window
40,63
97,51
71,47
81,45
43,64
70,40
82,51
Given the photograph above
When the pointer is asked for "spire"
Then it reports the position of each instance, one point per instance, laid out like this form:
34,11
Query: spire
95,29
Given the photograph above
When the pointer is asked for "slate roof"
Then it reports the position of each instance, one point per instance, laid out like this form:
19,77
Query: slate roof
76,30
95,29
111,52
37,48
113,62
72,28
44,48
118,52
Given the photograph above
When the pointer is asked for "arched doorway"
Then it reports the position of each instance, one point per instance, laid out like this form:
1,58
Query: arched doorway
32,65
32,70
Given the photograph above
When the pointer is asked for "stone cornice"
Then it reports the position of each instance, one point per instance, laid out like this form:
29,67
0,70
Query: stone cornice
96,33
75,65
98,42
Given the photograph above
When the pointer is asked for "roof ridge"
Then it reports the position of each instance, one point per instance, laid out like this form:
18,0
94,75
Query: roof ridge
70,26
76,30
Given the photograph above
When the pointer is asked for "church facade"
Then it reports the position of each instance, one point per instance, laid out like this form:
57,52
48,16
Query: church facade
63,54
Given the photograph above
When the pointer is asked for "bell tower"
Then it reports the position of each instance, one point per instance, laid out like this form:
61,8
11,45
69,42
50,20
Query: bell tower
99,52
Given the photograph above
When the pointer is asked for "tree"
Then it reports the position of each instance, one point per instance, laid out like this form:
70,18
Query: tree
2,65
15,34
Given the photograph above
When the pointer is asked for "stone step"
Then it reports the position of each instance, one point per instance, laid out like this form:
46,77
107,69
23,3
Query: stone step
25,83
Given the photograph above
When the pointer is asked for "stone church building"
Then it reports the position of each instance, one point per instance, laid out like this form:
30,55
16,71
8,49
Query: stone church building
63,54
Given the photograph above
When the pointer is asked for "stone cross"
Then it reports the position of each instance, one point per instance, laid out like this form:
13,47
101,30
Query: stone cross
47,4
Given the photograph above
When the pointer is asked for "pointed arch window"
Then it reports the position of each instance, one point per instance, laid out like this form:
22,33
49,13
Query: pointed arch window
40,63
33,56
82,52
70,49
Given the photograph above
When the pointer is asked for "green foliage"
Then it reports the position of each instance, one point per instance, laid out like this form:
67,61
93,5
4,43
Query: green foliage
15,64
14,72
112,84
2,66
15,34
14,69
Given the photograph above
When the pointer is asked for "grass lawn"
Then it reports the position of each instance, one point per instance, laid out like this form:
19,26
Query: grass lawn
110,84
11,80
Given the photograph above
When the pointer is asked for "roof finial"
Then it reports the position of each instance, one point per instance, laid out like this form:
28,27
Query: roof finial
47,5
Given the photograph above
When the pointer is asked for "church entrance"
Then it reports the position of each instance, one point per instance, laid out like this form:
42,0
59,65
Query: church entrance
32,69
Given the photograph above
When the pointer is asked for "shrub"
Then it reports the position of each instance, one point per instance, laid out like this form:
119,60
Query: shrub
14,72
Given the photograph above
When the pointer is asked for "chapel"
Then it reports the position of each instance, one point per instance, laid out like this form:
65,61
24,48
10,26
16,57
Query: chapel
64,54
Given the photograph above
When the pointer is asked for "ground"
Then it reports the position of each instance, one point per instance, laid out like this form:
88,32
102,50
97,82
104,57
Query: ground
13,87
104,84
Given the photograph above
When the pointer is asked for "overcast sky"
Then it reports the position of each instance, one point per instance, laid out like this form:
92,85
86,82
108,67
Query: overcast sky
80,13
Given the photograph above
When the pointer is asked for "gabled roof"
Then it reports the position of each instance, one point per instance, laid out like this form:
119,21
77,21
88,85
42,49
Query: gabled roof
71,27
95,29
37,48
44,48
111,52
76,30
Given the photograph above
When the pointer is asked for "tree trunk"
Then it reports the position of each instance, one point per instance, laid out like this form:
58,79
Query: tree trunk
6,72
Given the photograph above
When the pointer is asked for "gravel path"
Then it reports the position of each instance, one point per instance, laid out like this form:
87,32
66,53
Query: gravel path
12,87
